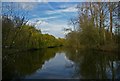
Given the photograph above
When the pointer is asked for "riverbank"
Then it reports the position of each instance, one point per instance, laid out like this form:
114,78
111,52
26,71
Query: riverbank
106,48
16,50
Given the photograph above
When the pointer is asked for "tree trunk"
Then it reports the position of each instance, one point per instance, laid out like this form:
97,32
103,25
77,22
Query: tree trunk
111,20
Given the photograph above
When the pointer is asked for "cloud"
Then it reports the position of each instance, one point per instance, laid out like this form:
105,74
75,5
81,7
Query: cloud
39,20
66,5
55,28
52,17
19,6
35,1
60,0
19,0
50,27
27,6
68,9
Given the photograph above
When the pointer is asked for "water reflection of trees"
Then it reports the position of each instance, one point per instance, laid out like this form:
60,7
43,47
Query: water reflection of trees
88,64
25,63
95,64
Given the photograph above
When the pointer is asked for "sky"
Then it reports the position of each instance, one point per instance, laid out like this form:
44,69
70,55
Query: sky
50,17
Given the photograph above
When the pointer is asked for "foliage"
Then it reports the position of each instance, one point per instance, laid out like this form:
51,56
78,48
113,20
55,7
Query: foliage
95,24
25,36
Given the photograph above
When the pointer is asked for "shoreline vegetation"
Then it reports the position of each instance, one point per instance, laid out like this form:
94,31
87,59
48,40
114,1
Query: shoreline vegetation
93,29
96,26
26,37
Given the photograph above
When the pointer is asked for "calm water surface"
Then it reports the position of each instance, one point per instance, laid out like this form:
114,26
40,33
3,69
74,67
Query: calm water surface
61,63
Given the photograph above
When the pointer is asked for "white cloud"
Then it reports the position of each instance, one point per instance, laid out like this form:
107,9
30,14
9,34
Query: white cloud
19,0
52,17
53,28
68,9
19,6
27,5
60,0
45,18
34,15
66,5
38,21
49,26
45,1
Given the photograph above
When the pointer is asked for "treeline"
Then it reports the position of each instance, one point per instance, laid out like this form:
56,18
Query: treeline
16,34
96,26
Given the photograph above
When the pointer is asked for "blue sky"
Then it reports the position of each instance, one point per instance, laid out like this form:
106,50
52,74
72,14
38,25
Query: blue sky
50,17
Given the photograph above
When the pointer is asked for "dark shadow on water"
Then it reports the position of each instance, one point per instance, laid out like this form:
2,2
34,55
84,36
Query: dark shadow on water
88,64
92,64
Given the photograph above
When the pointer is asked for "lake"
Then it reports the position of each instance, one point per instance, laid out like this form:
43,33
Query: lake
61,63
